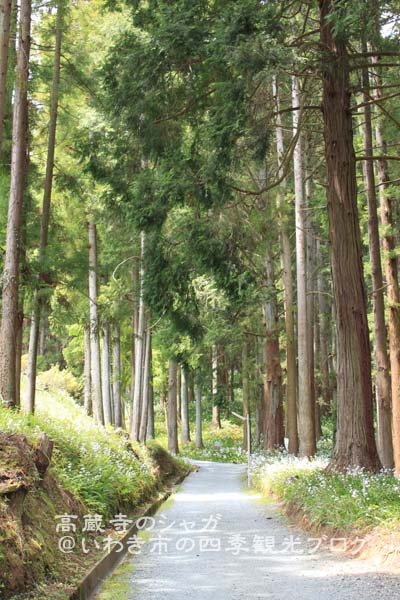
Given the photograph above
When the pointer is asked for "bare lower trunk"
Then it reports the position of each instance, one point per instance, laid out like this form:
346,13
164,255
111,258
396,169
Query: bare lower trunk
139,352
383,382
199,432
171,417
87,388
105,375
10,279
273,428
245,394
185,429
324,312
95,371
355,440
44,228
305,400
287,280
391,274
150,422
216,410
146,385
117,398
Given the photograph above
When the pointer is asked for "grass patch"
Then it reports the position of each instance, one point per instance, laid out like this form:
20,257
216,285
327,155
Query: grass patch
345,502
220,445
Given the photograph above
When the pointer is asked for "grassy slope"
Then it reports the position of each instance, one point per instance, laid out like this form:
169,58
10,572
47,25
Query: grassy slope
93,471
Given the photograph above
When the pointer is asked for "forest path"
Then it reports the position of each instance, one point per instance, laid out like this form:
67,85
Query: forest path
180,562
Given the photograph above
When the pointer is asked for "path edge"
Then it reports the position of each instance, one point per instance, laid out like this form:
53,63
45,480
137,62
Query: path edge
96,575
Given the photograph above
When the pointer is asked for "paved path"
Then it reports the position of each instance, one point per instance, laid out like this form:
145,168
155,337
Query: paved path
245,551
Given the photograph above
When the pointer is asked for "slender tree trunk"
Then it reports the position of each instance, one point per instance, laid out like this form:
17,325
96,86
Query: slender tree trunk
185,429
306,408
117,397
134,325
287,280
146,385
383,382
95,371
87,387
105,375
150,422
5,25
355,440
172,412
273,428
391,275
245,392
216,410
310,270
139,351
10,280
44,229
199,422
324,332
179,394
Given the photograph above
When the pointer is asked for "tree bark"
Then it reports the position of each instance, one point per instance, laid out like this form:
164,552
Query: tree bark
117,398
355,441
146,385
171,409
391,275
324,311
5,25
29,404
95,371
199,422
273,428
10,280
87,388
287,281
245,393
139,351
383,382
306,428
150,422
185,429
105,375
216,410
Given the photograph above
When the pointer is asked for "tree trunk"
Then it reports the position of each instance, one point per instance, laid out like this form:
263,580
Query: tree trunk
391,275
273,428
44,228
305,405
171,411
150,422
105,375
134,326
5,24
383,382
139,351
287,281
87,388
355,441
117,398
185,429
324,312
95,371
146,385
199,423
216,410
10,279
245,393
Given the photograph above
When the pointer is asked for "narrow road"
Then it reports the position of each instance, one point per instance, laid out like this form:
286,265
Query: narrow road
216,541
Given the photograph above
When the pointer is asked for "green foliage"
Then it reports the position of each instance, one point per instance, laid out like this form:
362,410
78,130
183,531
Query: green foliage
342,502
98,466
